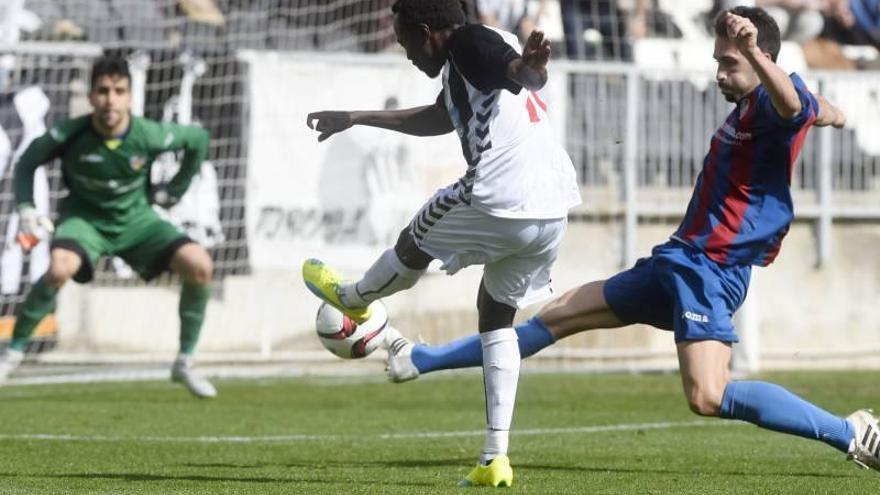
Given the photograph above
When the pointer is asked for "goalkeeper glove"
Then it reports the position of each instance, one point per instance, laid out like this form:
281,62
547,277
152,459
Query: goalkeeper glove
32,227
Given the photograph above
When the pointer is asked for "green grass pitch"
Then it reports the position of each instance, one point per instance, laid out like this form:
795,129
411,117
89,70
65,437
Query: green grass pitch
578,433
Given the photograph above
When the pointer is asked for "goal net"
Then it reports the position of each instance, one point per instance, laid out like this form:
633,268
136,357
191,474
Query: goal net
185,68
39,83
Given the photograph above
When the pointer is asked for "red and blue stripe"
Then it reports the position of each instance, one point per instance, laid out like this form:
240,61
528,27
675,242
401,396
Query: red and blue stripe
742,208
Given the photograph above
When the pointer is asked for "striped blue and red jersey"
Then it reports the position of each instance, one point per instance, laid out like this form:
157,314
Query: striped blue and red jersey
741,207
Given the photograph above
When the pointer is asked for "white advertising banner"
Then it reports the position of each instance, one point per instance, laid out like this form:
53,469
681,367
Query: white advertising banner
346,199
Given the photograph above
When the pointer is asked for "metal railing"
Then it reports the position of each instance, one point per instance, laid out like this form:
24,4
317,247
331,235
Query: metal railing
638,138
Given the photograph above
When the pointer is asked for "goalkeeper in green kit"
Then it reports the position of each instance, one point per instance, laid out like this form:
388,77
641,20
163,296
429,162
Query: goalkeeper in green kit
105,162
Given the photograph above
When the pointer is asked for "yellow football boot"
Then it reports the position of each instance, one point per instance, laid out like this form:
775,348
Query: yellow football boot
497,473
325,283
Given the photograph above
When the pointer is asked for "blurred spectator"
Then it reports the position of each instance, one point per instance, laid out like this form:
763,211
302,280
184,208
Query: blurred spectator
798,20
647,20
605,29
846,22
502,14
594,30
204,11
853,22
532,19
637,27
510,15
867,17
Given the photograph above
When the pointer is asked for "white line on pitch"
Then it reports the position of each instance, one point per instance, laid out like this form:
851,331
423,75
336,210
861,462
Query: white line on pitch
380,436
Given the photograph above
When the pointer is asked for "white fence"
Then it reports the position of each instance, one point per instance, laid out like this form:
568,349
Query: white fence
637,137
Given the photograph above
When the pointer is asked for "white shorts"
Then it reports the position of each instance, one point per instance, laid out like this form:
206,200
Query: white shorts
517,254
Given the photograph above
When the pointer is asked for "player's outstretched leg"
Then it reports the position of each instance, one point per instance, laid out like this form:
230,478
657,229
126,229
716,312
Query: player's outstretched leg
406,361
711,393
579,309
770,406
194,265
773,407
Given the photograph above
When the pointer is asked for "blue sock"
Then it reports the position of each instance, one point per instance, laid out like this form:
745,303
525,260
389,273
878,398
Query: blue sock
775,408
467,352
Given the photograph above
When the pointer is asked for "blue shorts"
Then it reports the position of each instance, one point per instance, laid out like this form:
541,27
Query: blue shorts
679,288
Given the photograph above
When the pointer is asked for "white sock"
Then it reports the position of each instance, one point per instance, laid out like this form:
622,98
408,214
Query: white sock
501,362
184,360
13,356
387,276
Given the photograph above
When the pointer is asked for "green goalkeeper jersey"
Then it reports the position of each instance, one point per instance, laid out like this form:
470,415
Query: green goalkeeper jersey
109,178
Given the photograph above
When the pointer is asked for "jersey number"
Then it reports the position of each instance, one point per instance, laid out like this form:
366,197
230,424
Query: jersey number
531,99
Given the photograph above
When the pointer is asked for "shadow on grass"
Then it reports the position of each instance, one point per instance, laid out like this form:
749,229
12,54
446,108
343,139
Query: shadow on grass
158,477
467,462
409,463
720,472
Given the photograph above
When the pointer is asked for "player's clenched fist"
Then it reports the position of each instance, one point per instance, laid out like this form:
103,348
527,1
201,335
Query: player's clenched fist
743,33
329,123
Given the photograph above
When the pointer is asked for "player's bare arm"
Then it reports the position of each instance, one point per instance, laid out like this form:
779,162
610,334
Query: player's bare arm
829,114
428,120
782,93
530,70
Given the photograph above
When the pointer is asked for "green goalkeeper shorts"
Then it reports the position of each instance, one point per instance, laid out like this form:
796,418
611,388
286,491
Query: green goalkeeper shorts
147,245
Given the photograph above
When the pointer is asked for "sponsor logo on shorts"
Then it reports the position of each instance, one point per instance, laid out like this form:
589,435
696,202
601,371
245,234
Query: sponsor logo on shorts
696,317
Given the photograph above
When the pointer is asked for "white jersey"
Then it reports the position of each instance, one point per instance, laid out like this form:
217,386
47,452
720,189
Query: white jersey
516,169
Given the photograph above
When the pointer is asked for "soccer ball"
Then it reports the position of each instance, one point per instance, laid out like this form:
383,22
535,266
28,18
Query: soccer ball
340,335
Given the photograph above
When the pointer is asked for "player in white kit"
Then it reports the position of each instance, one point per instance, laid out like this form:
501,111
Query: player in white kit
507,212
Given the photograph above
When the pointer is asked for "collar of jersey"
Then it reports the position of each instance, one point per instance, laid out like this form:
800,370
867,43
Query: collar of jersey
116,141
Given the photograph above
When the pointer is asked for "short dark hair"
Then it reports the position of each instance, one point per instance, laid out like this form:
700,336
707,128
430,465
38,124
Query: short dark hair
769,39
110,66
436,14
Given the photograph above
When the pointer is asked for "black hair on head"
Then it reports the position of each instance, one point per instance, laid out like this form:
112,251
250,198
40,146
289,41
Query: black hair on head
769,39
436,14
109,66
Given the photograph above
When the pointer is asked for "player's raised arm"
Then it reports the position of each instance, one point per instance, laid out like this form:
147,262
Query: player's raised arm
530,70
193,140
428,120
829,114
783,95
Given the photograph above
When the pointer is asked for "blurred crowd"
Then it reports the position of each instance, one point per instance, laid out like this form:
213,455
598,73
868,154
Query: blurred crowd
824,27
834,34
